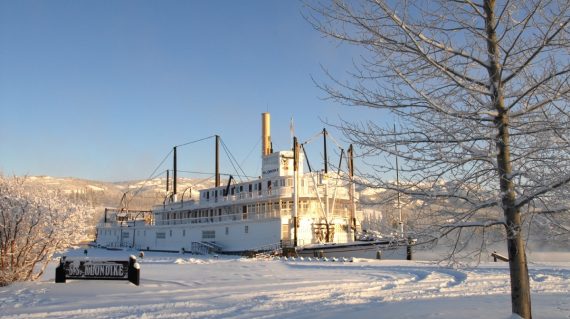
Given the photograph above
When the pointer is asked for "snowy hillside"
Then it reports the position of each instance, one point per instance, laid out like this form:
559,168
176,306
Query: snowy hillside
185,286
141,194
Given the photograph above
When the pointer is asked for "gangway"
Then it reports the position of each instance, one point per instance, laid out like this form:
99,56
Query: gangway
205,247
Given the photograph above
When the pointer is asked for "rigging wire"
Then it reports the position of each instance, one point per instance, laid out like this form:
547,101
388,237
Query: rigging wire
334,140
196,141
251,151
313,137
152,175
210,173
232,159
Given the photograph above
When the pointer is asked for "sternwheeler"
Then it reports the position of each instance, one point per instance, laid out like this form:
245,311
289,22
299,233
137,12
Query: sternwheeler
287,209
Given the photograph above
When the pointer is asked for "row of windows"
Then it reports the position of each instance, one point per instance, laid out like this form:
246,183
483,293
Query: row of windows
258,208
249,188
206,234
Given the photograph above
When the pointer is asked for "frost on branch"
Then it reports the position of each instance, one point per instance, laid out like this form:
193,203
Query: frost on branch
34,224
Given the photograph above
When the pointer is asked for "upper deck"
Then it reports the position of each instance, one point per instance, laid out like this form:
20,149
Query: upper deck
311,186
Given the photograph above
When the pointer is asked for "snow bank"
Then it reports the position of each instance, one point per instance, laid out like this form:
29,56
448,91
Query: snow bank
179,286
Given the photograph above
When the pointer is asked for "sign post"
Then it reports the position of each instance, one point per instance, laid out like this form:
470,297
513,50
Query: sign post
87,269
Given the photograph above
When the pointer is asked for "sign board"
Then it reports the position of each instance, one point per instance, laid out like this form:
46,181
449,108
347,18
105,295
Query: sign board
87,269
279,164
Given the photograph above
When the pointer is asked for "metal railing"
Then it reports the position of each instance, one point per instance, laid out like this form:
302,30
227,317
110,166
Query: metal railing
205,247
221,218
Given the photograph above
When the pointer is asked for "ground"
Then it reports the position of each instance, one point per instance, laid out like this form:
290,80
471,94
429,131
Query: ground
185,286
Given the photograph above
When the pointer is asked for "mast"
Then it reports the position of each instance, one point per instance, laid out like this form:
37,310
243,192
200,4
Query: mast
325,182
217,161
295,188
174,177
167,181
400,223
352,189
325,150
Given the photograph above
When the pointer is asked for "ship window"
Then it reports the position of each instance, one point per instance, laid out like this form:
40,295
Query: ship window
241,188
246,229
250,188
208,234
244,212
160,235
259,186
233,190
254,187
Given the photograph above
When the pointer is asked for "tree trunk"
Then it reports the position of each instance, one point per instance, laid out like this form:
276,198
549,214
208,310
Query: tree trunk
520,288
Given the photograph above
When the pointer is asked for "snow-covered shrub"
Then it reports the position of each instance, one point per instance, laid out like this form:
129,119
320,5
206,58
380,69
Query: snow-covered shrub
34,224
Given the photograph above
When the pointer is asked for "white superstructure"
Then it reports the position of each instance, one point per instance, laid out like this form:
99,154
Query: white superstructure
286,206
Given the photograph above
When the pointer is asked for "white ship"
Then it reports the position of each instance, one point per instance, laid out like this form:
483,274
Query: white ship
287,209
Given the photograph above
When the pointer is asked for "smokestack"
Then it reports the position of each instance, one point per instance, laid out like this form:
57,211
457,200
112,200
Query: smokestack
265,134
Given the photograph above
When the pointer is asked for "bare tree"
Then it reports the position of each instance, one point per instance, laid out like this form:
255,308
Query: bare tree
480,89
34,224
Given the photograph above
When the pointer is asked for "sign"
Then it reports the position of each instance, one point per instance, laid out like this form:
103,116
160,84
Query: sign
279,164
85,269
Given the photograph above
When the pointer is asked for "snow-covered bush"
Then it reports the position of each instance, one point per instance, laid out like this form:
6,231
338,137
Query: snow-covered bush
34,224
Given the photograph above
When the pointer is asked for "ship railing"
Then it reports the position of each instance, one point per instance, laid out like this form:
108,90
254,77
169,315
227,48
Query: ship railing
283,191
176,205
290,243
221,218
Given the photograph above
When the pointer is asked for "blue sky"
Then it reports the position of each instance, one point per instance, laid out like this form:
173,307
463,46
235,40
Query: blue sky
104,89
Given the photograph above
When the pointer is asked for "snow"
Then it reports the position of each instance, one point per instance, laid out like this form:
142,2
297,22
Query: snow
189,286
95,188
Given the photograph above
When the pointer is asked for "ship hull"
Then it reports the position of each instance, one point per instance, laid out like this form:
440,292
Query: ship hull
363,249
